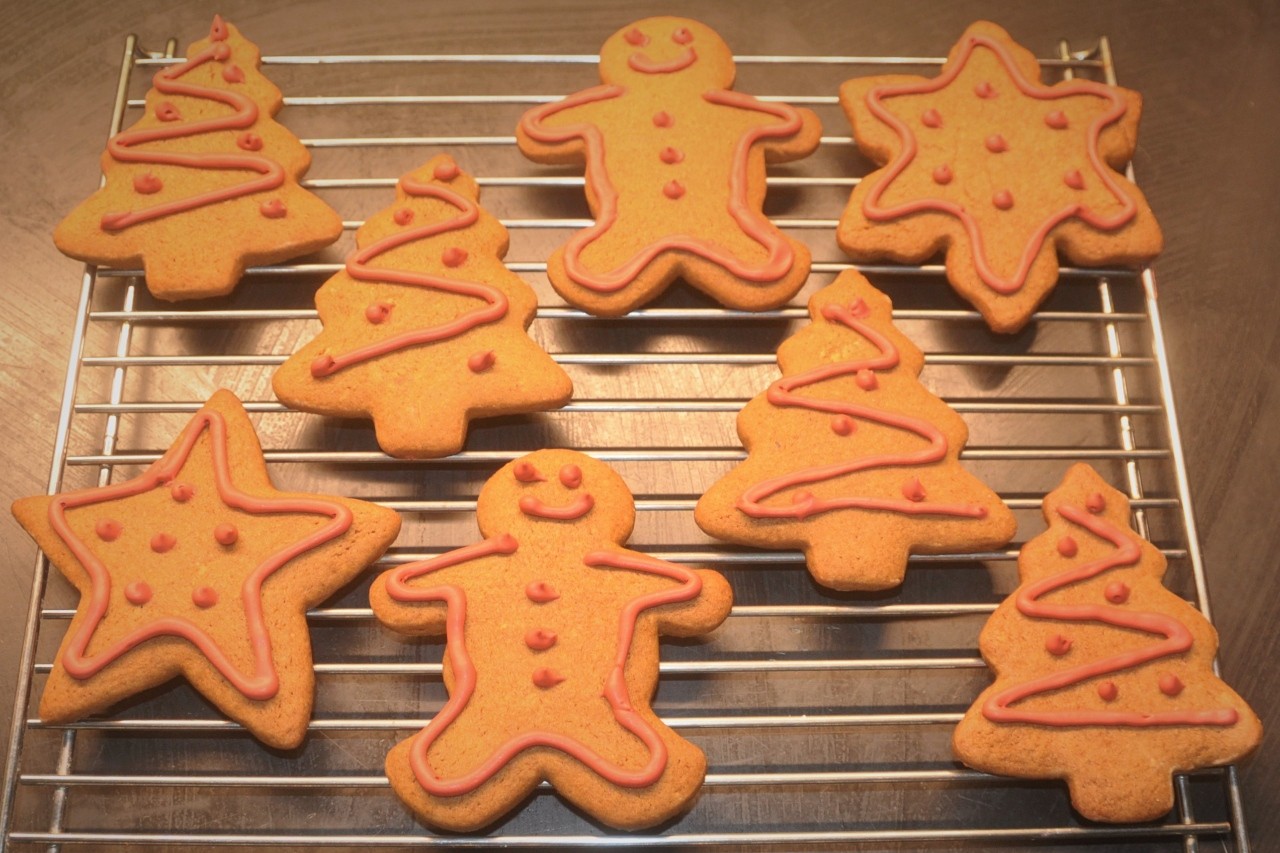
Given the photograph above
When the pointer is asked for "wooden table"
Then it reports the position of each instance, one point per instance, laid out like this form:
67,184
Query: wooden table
1206,161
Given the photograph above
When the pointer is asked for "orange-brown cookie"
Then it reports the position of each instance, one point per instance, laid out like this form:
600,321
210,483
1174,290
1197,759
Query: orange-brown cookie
425,328
205,183
850,458
675,174
198,567
551,656
999,171
1103,677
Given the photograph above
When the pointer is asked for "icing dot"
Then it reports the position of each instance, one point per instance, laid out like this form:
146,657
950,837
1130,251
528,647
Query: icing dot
1074,179
1067,547
635,37
233,74
673,189
1170,684
323,366
540,639
1057,645
273,209
1056,119
249,141
147,183
138,592
670,155
1095,503
1003,199
859,308
546,677
181,492
377,312
843,425
663,119
446,171
163,542
204,597
478,362
526,473
1108,691
221,53
165,111
996,143
913,490
108,529
942,174
226,534
866,380
218,29
931,118
403,216
985,90
571,476
541,592
453,256
1117,592
682,36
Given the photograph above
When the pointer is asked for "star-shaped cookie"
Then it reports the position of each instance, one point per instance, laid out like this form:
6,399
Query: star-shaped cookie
199,567
1000,171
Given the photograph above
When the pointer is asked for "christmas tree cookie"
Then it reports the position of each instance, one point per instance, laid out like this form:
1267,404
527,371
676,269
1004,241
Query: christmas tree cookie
425,328
205,183
1000,171
198,567
675,174
1103,677
551,658
850,458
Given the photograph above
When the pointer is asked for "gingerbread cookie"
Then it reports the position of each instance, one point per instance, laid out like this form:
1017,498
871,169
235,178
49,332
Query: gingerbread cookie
425,328
850,458
998,170
1103,677
199,568
205,183
551,655
675,174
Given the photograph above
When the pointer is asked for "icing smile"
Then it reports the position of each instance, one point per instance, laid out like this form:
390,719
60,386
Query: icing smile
639,62
580,506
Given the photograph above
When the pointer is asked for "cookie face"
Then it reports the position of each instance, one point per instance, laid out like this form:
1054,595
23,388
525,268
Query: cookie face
850,458
675,174
205,183
198,567
425,328
1103,677
551,654
999,171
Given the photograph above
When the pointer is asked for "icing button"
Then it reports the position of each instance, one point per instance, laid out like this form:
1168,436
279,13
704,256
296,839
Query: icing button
1095,503
1117,592
1074,179
163,542
233,74
1067,547
479,362
1057,645
108,529
221,52
866,380
663,119
204,597
226,534
985,90
931,118
273,209
540,639
1056,120
526,473
403,216
1108,691
181,492
453,256
682,36
546,677
1170,684
1003,199
377,312
673,190
138,592
913,490
446,171
942,174
147,183
635,37
541,592
249,141
571,476
670,155
996,143
843,425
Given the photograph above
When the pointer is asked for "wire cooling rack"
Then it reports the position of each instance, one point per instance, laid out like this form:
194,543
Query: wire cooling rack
826,717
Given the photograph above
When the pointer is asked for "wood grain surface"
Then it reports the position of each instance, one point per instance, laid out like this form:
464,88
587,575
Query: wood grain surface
1209,73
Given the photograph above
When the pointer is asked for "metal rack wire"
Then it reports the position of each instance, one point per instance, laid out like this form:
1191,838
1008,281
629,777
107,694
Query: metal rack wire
825,717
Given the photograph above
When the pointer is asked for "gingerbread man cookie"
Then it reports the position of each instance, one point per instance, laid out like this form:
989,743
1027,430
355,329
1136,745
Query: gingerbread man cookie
850,457
1000,171
1103,677
425,327
198,567
675,174
551,655
205,183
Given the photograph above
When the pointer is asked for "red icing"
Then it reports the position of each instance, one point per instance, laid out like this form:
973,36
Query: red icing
181,492
1057,645
147,184
526,473
682,35
752,223
866,380
218,29
1176,639
138,593
1056,120
645,65
403,216
913,490
273,209
1003,199
233,74
571,476
163,543
121,147
226,534
873,210
670,155
635,37
673,189
358,268
843,425
249,141
108,529
540,639
1067,547
204,597
1095,503
546,677
996,143
1117,592
783,393
931,118
577,508
262,683
1107,691
539,592
1074,179
453,256
479,362
446,171
942,174
1170,684
166,111
377,312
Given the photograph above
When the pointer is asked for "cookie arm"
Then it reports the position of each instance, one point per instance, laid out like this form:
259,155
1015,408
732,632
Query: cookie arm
786,132
414,609
696,606
561,131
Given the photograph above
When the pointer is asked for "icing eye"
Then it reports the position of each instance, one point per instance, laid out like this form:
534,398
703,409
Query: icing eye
682,36
634,36
526,473
571,476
